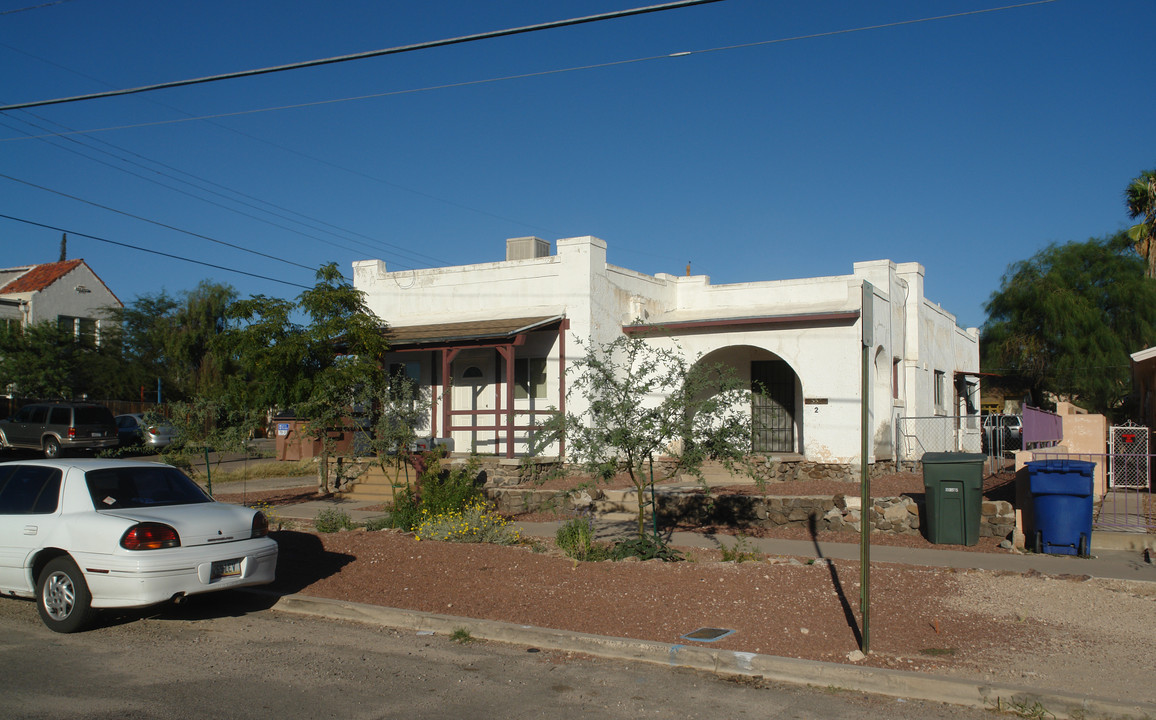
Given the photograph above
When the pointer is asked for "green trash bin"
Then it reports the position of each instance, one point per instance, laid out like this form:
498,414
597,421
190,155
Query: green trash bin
953,483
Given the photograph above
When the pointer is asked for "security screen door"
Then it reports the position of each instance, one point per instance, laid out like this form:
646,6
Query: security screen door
772,406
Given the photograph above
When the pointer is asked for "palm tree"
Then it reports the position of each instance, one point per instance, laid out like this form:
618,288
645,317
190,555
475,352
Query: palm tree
1140,196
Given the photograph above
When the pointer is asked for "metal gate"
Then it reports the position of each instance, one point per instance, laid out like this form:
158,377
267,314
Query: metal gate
1128,465
772,406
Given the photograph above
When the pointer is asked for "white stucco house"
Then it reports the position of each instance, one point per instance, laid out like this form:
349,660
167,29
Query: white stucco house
68,293
492,342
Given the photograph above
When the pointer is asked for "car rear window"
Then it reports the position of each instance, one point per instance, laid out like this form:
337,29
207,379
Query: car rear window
28,489
93,416
134,487
60,416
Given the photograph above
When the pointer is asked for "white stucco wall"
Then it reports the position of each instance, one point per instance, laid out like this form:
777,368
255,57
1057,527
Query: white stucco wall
826,355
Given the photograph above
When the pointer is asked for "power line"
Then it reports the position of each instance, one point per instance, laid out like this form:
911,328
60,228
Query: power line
382,244
154,252
34,7
377,246
522,76
368,54
155,222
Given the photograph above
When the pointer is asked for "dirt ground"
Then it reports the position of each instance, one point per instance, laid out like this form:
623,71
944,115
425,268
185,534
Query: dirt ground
1067,633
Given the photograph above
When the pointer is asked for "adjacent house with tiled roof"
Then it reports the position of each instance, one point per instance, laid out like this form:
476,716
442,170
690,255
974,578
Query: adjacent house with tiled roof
67,292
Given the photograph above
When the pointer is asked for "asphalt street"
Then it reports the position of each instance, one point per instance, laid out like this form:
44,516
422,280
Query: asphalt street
230,656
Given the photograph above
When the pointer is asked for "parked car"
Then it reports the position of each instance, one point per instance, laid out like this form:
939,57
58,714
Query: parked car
59,427
132,429
83,534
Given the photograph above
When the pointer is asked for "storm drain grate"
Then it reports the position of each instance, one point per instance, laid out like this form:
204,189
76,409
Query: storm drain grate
707,634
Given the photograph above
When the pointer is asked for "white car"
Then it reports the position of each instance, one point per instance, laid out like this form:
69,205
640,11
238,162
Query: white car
77,535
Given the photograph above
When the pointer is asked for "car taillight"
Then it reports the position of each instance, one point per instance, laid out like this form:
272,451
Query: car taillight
152,431
260,525
150,536
71,433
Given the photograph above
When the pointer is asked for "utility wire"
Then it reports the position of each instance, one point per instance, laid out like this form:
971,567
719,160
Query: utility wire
521,76
377,246
368,54
33,7
157,223
154,252
382,244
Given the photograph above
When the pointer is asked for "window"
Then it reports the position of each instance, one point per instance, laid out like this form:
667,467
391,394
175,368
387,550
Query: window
529,378
86,332
939,378
895,378
83,329
146,486
29,490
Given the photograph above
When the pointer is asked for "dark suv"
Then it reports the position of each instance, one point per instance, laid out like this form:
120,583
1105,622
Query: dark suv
57,427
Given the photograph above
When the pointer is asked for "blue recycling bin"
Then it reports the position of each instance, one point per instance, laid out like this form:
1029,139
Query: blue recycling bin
1062,503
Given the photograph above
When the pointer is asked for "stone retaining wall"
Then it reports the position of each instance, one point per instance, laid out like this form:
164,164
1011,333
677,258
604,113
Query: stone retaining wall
897,515
504,473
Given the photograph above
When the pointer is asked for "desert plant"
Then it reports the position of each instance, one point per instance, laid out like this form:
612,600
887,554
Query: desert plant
646,402
575,537
332,520
437,492
477,522
378,523
644,548
741,551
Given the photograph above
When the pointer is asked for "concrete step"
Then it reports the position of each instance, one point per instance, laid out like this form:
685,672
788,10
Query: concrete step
376,495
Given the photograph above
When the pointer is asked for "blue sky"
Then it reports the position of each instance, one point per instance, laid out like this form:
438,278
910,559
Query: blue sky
964,144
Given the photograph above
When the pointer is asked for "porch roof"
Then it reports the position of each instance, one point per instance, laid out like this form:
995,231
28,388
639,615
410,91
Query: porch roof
467,332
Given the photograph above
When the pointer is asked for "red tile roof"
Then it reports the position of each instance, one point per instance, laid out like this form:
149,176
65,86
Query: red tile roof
40,277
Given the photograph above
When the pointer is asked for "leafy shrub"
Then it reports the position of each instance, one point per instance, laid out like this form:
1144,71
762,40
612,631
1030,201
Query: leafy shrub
332,520
644,548
378,523
742,551
474,523
576,539
438,492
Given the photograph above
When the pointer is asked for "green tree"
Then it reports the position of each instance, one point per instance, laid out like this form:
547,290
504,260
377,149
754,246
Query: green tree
649,403
401,409
1140,197
323,370
1066,320
197,363
38,360
175,341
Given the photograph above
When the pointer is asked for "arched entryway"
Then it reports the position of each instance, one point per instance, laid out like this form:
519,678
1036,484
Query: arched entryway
776,396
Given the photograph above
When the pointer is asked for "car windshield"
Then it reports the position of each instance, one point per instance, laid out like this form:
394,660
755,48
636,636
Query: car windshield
144,486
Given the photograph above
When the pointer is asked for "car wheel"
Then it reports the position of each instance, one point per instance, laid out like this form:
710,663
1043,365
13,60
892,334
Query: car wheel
51,448
62,596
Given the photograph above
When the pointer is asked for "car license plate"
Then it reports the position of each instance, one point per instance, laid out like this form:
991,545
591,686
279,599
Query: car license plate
98,434
225,568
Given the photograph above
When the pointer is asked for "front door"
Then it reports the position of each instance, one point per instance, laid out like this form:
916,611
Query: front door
772,406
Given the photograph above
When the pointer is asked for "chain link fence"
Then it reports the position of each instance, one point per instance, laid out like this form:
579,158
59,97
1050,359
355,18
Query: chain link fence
915,436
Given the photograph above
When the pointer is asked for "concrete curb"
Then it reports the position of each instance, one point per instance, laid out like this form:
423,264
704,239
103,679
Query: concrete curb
892,683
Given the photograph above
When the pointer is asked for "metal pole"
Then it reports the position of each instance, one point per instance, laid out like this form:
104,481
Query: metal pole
208,472
865,513
867,321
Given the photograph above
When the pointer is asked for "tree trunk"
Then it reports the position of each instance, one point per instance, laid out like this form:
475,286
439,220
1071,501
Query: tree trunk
323,470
